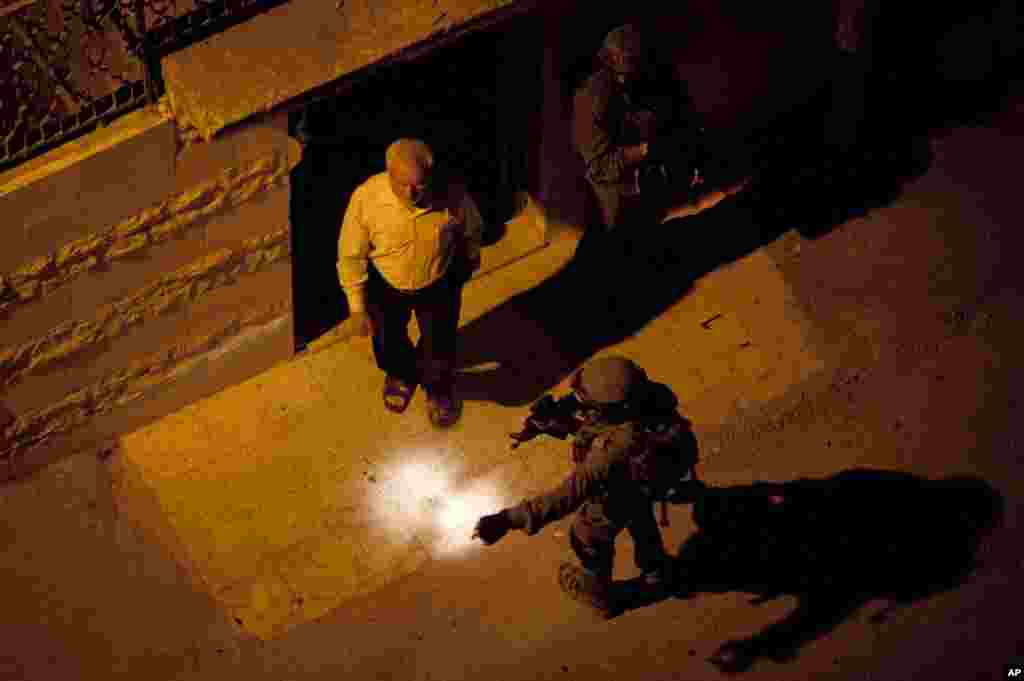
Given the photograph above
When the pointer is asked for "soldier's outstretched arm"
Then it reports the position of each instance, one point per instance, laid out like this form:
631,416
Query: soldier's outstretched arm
533,514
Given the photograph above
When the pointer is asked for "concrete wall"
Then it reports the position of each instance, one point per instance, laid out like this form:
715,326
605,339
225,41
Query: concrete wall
141,271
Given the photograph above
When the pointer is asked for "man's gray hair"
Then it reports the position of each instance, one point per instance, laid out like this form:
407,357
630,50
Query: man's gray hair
626,39
409,151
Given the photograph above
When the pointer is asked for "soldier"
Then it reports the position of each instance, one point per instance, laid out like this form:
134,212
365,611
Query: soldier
647,158
631,450
620,115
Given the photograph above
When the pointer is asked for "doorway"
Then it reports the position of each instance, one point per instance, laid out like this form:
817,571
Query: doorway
475,102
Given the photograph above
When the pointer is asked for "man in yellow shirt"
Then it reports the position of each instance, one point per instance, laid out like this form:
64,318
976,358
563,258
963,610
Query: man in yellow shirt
409,242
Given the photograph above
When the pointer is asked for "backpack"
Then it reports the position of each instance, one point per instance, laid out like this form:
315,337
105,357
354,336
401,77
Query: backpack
663,453
663,449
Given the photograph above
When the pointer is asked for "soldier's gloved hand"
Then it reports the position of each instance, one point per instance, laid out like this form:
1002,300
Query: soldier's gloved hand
491,528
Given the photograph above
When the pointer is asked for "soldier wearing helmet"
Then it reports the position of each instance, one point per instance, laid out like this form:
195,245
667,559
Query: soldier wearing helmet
630,449
619,113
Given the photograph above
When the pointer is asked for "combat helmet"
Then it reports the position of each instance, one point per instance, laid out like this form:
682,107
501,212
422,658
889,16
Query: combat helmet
609,381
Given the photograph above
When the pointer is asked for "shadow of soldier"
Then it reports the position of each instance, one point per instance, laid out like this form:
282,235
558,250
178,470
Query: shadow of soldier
614,285
618,282
835,544
813,184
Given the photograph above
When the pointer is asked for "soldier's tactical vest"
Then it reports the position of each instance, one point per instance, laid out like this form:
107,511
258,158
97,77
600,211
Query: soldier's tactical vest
659,453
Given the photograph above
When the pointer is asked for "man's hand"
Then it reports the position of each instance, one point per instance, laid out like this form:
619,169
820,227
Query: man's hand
361,324
491,528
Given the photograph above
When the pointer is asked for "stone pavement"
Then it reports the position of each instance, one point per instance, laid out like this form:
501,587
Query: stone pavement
291,493
898,332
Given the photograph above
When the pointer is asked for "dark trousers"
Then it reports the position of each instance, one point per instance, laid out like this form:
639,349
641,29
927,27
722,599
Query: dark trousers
618,210
432,362
594,543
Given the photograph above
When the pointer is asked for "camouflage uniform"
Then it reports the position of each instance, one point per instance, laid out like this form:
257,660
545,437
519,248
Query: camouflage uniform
607,497
631,447
607,117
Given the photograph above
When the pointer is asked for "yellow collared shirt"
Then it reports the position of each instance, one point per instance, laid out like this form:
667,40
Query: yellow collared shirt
411,247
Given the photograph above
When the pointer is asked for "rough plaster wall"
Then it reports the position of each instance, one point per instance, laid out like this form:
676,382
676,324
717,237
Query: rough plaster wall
78,341
229,76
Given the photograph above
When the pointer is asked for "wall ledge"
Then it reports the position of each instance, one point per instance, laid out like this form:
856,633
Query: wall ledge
71,153
230,76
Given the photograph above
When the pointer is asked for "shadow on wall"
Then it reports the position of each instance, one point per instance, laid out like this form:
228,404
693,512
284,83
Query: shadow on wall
807,176
321,184
948,65
616,285
835,544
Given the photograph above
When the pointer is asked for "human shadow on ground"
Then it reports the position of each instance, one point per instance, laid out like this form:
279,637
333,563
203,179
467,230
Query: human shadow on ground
616,284
804,178
834,544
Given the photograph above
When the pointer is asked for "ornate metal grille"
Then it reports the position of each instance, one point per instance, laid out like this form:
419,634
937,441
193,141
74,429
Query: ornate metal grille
68,66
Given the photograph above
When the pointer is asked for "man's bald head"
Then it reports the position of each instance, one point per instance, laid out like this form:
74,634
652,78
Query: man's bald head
625,51
410,164
410,153
626,39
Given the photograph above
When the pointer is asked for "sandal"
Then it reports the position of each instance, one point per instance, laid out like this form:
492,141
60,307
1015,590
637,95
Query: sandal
443,411
397,394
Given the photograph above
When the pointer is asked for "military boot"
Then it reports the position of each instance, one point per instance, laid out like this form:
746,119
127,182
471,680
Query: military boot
650,588
587,588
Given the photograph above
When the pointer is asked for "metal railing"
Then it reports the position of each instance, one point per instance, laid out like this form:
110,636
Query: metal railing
70,66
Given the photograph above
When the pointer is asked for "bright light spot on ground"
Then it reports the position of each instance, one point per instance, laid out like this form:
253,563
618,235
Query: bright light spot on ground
457,517
420,499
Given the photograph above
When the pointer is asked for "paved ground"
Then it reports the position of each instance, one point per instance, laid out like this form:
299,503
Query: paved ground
288,528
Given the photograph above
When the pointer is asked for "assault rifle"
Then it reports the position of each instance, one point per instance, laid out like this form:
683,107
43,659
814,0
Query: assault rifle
549,416
687,163
560,419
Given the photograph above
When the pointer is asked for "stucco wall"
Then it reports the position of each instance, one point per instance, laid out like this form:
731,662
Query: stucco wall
132,259
224,79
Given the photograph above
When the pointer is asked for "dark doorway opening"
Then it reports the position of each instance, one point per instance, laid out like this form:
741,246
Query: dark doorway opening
475,102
